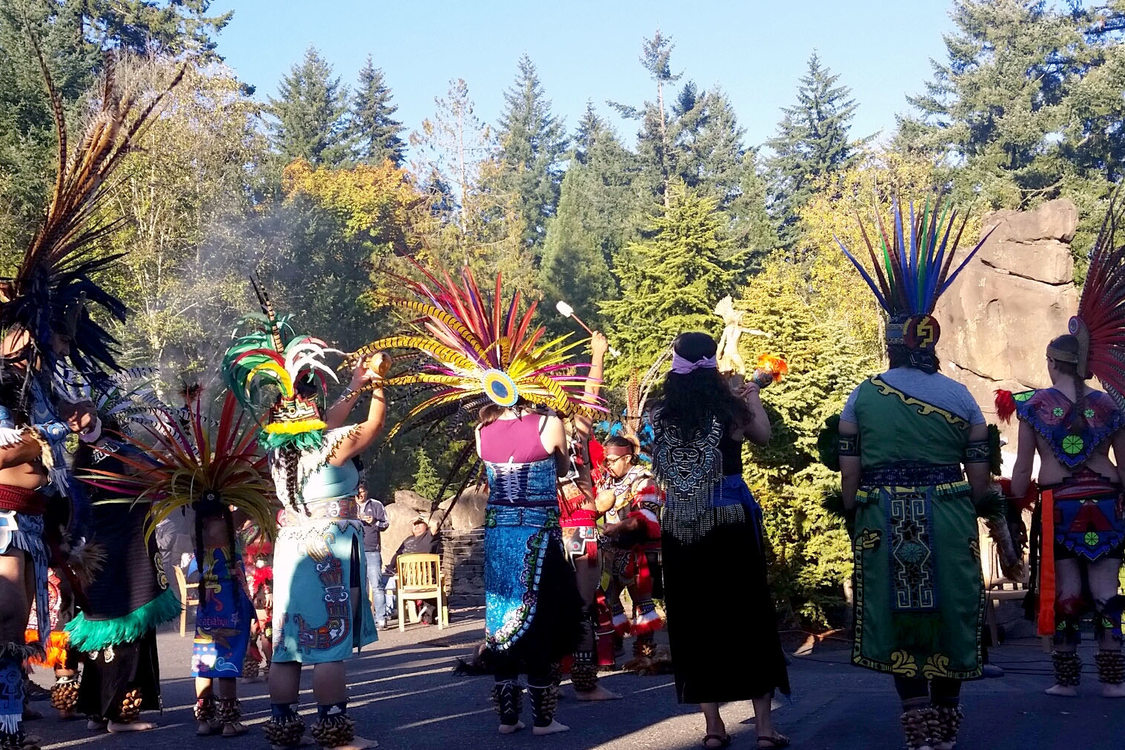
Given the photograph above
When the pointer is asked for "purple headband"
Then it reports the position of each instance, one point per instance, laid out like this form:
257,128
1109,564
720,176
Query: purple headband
682,366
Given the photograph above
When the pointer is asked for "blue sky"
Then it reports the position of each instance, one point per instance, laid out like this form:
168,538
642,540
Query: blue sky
755,51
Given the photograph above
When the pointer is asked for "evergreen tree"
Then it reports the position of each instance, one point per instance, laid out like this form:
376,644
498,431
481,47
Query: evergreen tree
1028,103
374,132
309,114
671,280
708,147
597,213
590,128
750,225
426,481
531,144
653,141
811,143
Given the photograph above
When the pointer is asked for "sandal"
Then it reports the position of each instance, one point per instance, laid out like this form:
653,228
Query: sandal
722,739
770,743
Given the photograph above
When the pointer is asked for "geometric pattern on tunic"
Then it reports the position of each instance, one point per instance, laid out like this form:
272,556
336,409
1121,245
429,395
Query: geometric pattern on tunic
911,550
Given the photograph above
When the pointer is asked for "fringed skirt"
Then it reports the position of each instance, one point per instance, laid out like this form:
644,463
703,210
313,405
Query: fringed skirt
130,594
533,611
224,616
21,533
316,567
919,596
715,659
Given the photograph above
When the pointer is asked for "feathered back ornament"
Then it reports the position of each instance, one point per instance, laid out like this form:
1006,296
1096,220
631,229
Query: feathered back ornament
1099,325
912,266
476,349
188,460
262,357
52,287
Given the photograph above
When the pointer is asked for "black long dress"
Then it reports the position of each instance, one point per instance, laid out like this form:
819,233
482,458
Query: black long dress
717,657
124,603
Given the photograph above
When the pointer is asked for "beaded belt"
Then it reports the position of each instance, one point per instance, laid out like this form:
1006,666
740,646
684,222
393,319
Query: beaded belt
22,500
507,515
332,509
911,475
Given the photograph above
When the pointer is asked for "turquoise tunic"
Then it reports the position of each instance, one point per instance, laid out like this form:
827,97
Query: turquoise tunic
319,563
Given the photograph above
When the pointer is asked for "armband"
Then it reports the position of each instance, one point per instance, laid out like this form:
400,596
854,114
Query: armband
53,432
848,445
978,452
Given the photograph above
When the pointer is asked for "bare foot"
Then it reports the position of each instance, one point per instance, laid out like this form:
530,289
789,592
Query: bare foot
1065,691
599,693
511,728
130,726
553,728
1109,690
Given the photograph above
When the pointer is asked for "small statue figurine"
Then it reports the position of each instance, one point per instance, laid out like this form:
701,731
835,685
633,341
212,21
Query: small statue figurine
730,361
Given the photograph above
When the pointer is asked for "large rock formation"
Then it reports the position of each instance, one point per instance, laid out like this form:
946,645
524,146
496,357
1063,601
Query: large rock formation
1016,295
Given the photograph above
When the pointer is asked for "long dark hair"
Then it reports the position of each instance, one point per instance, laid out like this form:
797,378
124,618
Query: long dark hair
691,399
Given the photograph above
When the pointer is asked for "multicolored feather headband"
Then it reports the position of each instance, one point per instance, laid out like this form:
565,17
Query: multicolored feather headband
187,459
479,349
912,265
1099,325
261,358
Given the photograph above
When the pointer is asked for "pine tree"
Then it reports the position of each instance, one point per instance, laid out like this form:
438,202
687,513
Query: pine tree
1025,101
597,214
426,481
374,133
654,141
532,142
811,143
309,114
671,281
590,128
708,146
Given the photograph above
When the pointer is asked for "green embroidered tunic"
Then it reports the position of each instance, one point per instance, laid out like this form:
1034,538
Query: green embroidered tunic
919,593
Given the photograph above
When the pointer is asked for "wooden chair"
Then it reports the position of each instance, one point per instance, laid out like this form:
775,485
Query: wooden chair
419,577
189,594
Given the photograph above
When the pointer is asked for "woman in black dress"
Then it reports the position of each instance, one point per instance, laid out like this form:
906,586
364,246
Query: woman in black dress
712,543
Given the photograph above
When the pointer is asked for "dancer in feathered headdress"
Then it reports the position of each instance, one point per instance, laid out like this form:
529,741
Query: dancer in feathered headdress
912,432
1079,531
321,610
44,322
479,352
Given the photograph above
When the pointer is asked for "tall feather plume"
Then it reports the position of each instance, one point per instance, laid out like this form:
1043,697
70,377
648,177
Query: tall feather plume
53,283
1101,309
462,334
912,266
187,458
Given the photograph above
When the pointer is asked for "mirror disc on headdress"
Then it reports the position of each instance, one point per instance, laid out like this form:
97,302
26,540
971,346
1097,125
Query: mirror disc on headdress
500,388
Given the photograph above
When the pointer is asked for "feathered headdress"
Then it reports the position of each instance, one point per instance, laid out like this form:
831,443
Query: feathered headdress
912,271
194,462
52,286
476,349
262,357
1099,325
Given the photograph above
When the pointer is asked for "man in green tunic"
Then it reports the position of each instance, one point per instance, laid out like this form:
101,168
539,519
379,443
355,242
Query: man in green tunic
914,459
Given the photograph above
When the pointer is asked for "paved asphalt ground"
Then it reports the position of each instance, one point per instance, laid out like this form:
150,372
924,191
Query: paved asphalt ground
404,695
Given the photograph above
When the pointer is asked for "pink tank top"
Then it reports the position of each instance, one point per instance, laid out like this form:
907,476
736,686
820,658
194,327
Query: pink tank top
515,440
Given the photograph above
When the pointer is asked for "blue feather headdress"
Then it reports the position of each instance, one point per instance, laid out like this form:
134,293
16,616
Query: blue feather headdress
912,265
